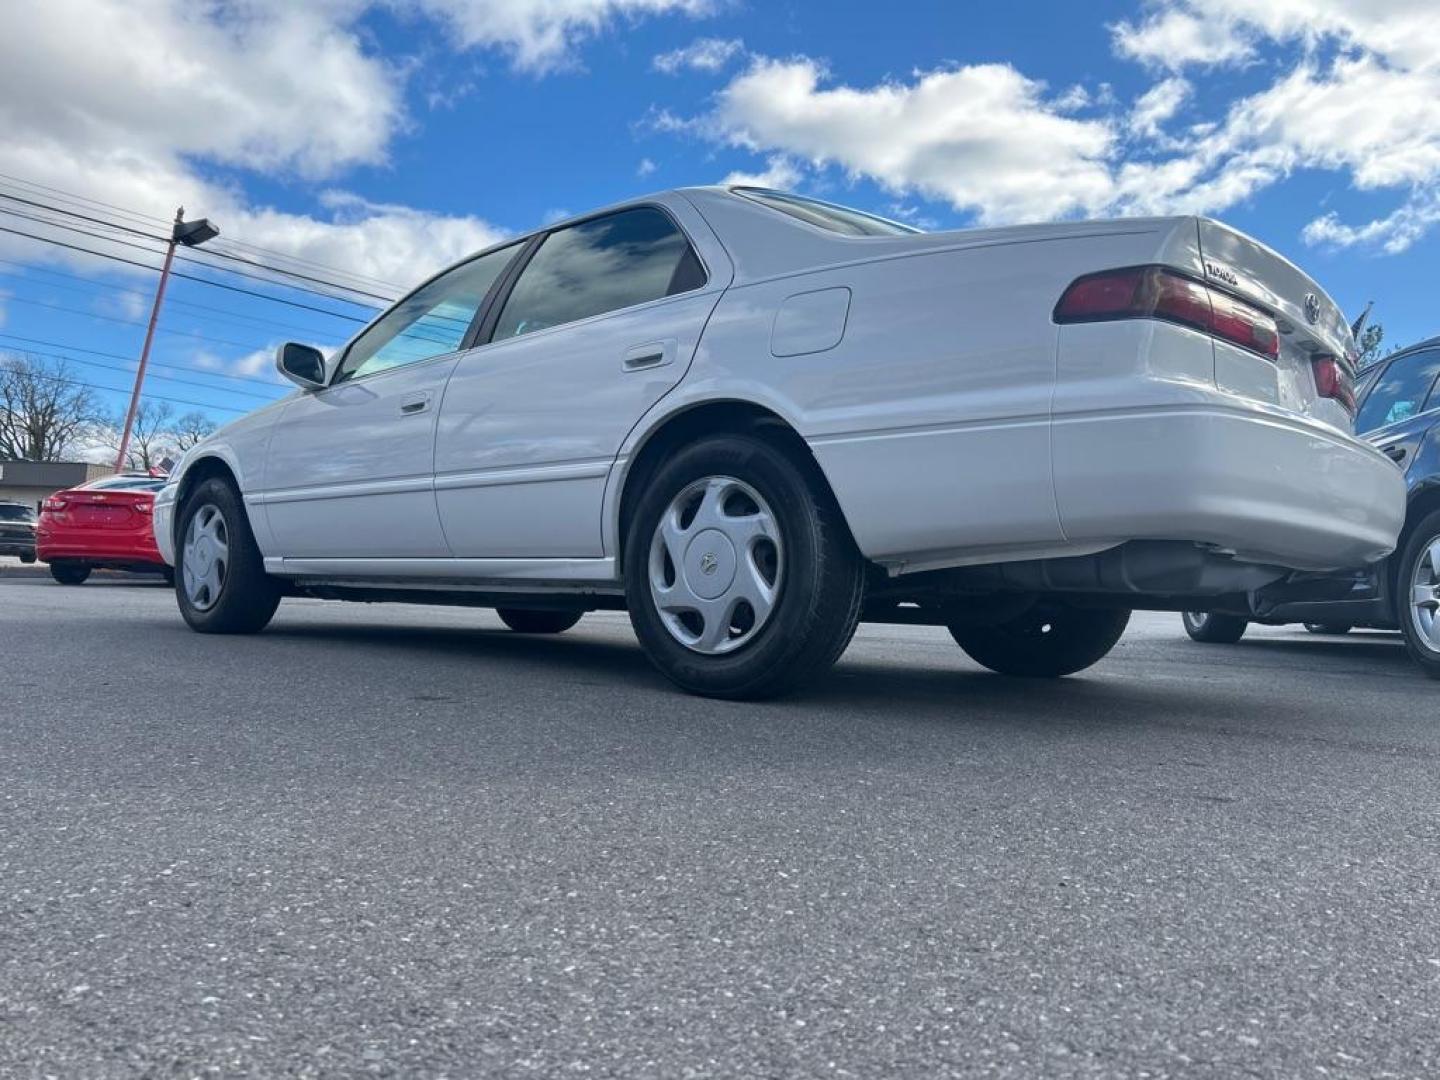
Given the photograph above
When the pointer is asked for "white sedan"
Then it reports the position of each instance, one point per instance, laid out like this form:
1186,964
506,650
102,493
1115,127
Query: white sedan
753,419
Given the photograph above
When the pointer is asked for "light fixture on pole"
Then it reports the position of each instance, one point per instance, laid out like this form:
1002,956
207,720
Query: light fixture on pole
191,234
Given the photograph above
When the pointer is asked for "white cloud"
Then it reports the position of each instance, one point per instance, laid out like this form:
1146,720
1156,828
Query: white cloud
1392,234
780,174
981,137
1175,38
702,54
541,35
279,89
646,167
1158,105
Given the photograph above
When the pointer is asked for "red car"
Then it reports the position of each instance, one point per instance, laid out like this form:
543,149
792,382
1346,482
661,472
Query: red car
105,523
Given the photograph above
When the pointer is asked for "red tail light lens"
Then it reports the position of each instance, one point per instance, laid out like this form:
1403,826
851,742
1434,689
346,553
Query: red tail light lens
1156,292
1334,380
54,504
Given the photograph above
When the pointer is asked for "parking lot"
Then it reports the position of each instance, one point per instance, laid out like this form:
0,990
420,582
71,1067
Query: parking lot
402,839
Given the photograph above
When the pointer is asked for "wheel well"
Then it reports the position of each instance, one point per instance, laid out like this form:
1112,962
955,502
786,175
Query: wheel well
712,418
1424,503
201,471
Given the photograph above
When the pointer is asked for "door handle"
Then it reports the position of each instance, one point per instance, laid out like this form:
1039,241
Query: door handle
1395,453
650,355
413,405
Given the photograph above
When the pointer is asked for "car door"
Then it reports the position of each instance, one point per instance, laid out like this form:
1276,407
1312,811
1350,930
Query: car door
601,322
349,469
1401,404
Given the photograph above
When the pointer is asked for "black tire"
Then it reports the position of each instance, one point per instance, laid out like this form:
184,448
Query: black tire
818,595
247,597
1424,536
28,559
69,572
526,621
1328,628
1048,641
1214,629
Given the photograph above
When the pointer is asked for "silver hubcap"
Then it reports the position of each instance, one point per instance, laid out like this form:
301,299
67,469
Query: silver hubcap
206,559
1425,595
715,565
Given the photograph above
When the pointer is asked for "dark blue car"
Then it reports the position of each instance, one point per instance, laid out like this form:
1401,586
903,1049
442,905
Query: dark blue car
1399,411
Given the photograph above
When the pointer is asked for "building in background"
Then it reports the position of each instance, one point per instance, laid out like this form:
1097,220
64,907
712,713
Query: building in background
32,482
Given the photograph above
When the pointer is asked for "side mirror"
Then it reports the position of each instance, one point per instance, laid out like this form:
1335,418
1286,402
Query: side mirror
301,364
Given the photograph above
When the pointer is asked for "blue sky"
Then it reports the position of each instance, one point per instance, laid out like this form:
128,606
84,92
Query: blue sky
383,139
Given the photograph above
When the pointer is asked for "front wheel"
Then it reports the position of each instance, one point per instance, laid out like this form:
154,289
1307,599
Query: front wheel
1214,629
69,572
1419,592
740,575
525,621
220,579
1048,641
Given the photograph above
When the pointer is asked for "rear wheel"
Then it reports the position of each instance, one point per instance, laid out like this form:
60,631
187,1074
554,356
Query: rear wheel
1048,641
741,578
1328,628
69,572
220,579
524,621
1419,592
1214,629
28,559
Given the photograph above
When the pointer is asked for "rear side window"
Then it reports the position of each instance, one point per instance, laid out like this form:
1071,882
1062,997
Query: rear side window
1402,391
15,512
599,266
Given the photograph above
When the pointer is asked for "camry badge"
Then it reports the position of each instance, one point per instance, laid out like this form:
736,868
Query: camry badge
1312,308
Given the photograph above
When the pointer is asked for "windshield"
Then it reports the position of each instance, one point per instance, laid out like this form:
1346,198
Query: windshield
15,512
836,219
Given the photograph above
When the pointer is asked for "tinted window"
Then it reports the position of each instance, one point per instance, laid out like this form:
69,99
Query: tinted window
837,219
431,321
1401,391
597,266
12,512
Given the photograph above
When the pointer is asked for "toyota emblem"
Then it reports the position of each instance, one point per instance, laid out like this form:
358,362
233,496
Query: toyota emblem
1312,308
708,563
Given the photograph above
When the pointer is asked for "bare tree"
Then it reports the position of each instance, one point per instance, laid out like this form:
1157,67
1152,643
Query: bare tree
151,441
44,408
190,429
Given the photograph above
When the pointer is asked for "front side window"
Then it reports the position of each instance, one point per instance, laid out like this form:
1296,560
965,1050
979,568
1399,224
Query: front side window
431,321
599,266
1401,391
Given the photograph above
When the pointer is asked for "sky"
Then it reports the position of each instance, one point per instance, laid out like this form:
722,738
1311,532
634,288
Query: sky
370,142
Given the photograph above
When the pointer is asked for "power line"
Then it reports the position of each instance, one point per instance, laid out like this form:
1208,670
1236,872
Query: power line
160,378
130,322
126,390
181,274
135,215
130,359
214,312
187,258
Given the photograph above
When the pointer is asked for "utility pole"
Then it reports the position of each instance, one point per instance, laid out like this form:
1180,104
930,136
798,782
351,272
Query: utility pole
191,234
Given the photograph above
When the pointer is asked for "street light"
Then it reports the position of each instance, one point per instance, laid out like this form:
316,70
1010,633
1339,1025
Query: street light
191,234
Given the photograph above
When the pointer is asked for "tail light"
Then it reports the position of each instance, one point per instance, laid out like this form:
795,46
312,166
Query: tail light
1156,292
1333,379
142,506
54,504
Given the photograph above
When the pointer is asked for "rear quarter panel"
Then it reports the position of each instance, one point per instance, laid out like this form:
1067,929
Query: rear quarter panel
930,416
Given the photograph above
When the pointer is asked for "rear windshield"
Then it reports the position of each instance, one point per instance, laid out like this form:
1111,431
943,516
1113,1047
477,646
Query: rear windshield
836,219
125,483
12,512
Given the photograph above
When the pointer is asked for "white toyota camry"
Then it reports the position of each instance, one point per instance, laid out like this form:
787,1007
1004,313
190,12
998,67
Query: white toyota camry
753,419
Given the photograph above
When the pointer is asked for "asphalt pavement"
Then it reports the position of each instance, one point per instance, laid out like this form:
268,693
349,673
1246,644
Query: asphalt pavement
404,841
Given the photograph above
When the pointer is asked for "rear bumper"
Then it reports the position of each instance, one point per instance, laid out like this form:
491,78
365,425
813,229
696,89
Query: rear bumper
95,546
1264,487
15,546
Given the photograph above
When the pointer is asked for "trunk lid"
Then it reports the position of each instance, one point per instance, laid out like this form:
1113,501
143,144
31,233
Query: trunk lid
1311,325
108,509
